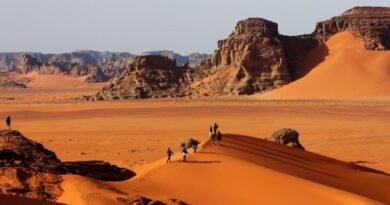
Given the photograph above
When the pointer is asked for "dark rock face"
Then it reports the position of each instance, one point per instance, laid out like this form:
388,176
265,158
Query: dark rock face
28,63
295,50
372,24
147,77
30,170
287,137
250,60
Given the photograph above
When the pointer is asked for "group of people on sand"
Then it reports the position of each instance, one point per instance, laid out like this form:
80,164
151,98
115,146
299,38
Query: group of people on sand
184,152
8,122
214,134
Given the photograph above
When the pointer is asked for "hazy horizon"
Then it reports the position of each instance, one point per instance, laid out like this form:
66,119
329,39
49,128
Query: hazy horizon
184,27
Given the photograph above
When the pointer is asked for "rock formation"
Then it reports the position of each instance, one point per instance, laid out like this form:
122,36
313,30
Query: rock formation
193,60
372,24
98,66
147,77
287,137
250,60
27,63
11,83
254,58
28,169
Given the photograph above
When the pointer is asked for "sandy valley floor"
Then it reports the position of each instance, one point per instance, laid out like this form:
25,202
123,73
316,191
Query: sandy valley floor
131,133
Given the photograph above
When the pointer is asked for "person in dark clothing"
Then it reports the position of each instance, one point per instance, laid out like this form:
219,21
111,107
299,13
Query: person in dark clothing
184,152
219,137
215,128
169,154
182,146
194,147
8,121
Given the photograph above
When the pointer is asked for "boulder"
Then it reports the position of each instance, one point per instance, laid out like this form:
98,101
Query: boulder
286,136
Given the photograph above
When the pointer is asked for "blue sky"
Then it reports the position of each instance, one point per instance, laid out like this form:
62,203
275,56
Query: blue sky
185,26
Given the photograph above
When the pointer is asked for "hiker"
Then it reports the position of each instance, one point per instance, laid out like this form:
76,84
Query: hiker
194,146
169,154
184,152
215,128
8,121
219,137
211,134
182,146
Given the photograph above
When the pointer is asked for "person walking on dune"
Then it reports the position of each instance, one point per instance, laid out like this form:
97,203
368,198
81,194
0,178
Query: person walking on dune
215,128
211,134
219,137
184,152
194,146
8,121
169,154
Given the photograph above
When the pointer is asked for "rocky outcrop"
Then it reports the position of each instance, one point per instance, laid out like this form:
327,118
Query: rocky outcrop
372,24
11,83
192,60
142,200
9,61
28,169
113,64
27,63
195,59
287,137
250,60
147,77
99,67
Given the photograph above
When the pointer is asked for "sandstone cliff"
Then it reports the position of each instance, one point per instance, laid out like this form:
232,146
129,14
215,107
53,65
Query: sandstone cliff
372,24
250,60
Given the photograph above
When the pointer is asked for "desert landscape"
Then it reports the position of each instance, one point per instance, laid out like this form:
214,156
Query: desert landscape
94,128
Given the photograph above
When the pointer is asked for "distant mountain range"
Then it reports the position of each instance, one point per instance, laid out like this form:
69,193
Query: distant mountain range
99,66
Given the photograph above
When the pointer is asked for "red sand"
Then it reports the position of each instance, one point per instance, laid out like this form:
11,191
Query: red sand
348,71
244,170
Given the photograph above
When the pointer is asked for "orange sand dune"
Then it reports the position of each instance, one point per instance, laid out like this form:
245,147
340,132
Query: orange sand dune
348,71
54,81
244,170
